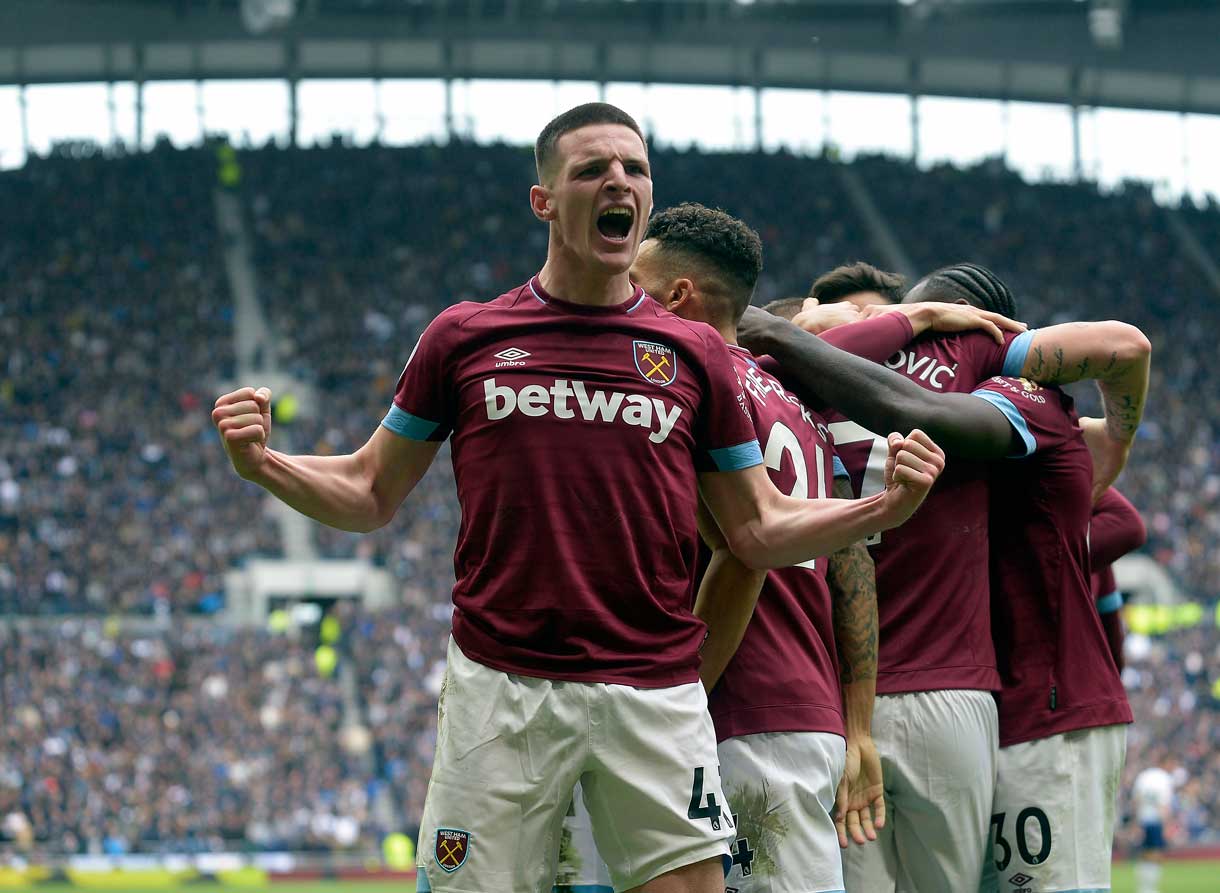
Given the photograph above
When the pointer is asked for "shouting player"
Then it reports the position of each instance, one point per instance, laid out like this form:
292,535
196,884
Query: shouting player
935,722
585,421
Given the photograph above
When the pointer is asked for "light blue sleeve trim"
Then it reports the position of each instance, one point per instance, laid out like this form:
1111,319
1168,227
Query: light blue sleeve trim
1004,405
406,425
421,881
1108,604
735,458
840,470
1018,350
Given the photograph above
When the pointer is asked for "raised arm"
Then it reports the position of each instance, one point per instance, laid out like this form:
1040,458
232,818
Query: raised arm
859,804
1119,357
358,492
876,397
766,529
725,601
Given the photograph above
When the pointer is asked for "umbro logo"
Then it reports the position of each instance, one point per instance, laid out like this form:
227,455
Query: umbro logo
1020,880
511,356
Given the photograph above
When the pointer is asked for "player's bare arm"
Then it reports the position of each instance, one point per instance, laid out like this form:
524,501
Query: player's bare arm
1118,357
725,601
766,529
359,492
935,316
859,803
875,396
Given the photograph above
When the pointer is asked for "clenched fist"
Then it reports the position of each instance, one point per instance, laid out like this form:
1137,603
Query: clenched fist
912,467
243,419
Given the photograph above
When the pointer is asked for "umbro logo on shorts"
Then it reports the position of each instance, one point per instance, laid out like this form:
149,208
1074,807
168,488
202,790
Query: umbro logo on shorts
511,356
1020,881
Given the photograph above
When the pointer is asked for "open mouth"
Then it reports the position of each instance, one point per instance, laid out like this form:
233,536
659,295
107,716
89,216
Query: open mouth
615,223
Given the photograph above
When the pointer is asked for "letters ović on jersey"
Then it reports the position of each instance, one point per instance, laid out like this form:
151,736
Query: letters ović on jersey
571,399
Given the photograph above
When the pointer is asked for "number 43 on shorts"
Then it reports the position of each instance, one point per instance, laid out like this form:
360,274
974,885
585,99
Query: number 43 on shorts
710,810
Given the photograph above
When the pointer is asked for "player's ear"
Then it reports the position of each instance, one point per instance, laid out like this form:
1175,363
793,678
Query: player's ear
542,203
680,294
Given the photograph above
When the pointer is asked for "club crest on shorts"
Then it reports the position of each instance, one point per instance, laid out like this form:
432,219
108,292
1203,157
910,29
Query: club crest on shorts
452,848
656,362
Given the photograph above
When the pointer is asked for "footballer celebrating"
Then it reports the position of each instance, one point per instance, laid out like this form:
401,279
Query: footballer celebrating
586,421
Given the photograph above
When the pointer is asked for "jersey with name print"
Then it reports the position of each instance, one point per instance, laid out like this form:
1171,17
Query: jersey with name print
1055,665
784,676
577,435
932,582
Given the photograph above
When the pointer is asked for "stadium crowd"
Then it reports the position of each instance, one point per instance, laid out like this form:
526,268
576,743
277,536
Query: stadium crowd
116,498
116,323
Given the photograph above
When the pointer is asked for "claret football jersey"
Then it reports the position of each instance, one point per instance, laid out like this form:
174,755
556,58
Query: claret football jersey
1055,665
932,580
577,434
784,675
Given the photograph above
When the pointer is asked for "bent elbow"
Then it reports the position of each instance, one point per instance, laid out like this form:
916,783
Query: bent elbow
1129,343
747,546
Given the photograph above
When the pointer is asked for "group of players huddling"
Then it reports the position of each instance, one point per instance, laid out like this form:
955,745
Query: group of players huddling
897,700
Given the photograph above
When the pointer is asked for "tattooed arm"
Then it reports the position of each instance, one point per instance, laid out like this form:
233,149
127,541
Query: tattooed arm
1118,356
859,804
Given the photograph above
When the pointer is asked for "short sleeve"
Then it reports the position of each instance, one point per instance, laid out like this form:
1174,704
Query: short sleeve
1035,413
424,401
1115,528
875,339
724,430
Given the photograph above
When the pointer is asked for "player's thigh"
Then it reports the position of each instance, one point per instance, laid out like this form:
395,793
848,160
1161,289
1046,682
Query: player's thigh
581,869
946,788
782,787
508,752
653,784
1053,825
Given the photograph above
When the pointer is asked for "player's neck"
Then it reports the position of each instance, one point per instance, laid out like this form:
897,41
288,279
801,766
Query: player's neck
728,333
569,280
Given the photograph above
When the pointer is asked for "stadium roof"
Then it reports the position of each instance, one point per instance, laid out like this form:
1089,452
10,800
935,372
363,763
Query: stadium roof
1157,54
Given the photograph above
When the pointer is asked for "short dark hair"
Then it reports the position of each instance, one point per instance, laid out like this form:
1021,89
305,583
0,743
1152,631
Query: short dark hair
849,279
974,284
785,307
575,118
724,245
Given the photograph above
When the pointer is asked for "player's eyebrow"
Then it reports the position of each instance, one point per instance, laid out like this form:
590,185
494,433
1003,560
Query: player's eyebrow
580,163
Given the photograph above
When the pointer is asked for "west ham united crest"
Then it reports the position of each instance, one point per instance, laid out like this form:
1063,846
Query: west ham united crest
452,847
656,362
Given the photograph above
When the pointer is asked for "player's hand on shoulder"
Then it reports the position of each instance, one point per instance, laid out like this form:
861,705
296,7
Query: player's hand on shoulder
911,468
1109,454
938,317
243,418
818,318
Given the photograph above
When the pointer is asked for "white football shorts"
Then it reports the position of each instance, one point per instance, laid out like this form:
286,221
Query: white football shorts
509,752
1052,827
782,787
938,755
